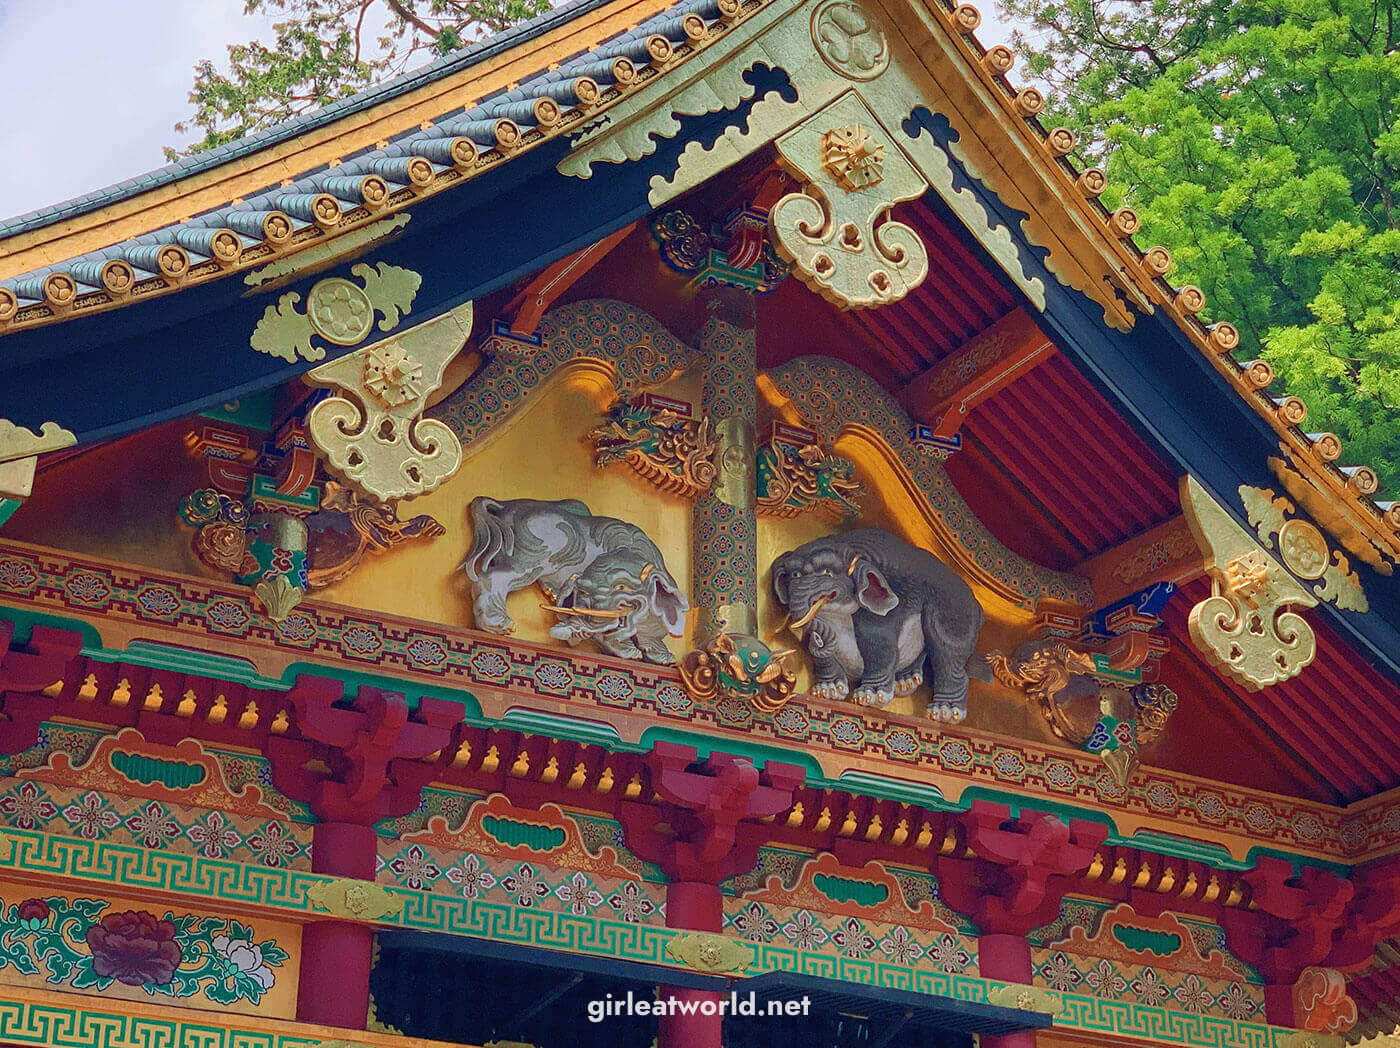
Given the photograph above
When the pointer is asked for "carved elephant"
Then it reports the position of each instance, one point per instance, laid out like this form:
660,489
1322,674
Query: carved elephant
874,610
603,577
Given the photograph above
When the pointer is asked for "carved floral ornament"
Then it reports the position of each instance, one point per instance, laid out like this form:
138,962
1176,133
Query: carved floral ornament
1246,628
373,435
836,233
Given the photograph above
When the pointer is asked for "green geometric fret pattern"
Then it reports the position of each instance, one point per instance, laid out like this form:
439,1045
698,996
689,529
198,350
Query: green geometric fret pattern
31,854
76,1026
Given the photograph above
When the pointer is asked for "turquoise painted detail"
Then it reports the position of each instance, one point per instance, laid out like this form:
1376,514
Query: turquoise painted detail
175,775
25,621
887,788
266,487
184,660
1163,944
515,834
844,889
575,729
252,411
7,510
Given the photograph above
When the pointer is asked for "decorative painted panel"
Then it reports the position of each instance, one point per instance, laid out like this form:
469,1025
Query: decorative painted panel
125,948
32,855
1165,961
415,651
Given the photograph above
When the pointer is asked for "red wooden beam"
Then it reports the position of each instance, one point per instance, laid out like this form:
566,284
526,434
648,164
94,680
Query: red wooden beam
542,292
1166,552
985,365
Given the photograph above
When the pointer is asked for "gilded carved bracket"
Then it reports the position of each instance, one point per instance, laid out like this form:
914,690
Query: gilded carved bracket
1246,628
836,232
1303,548
373,435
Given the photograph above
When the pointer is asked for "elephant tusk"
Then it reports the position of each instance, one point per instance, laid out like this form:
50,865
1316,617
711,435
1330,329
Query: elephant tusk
805,620
597,613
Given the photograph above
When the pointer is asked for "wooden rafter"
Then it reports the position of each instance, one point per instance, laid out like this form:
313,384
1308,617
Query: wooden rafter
943,396
530,305
1166,552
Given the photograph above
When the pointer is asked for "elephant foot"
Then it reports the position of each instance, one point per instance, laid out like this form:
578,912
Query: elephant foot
868,696
505,627
906,685
831,689
660,656
947,710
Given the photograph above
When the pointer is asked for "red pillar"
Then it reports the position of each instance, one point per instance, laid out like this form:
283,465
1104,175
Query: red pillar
336,956
695,906
1017,873
710,809
373,752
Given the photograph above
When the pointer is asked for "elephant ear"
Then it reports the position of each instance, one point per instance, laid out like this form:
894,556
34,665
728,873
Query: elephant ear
872,590
780,579
668,602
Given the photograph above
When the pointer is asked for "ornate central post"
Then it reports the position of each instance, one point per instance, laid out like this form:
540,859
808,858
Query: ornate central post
725,534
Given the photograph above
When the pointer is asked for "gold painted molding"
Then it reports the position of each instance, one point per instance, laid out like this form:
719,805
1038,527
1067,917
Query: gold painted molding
323,255
17,442
1246,628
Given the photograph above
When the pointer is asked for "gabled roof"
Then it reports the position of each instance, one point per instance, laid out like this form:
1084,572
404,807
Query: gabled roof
473,148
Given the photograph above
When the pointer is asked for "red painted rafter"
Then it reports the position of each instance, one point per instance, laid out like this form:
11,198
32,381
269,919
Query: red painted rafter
982,367
532,303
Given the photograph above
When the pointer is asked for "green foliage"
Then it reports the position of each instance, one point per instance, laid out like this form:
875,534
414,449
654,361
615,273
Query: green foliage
327,49
1259,140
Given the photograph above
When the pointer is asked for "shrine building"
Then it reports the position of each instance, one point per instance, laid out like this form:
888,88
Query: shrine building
679,525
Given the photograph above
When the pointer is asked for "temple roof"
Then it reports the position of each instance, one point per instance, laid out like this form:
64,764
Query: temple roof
317,190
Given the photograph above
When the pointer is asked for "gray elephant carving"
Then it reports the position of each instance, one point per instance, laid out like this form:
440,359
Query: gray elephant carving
875,611
605,580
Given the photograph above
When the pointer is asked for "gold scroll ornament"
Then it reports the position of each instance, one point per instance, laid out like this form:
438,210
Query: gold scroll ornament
836,233
1303,548
337,310
1245,628
374,436
356,900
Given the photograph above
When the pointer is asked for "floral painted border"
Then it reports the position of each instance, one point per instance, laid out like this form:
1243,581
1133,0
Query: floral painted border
74,944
